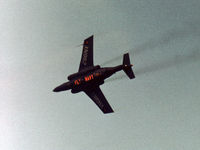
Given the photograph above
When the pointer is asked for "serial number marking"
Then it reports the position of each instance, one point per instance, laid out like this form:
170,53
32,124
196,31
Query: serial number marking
85,55
97,100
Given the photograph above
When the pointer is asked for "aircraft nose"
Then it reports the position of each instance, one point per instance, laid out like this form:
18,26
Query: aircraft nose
55,90
62,87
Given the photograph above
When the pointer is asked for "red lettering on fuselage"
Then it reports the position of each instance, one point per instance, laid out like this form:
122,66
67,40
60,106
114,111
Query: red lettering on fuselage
88,78
77,82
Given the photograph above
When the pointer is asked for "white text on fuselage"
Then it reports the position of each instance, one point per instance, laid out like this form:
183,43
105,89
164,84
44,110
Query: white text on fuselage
85,55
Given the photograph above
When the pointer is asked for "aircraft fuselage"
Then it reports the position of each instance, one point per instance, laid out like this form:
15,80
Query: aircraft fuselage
88,78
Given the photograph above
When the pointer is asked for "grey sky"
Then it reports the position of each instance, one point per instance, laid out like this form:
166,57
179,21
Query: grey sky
159,109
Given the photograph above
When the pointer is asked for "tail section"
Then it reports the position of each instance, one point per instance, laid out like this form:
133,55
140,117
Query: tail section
127,66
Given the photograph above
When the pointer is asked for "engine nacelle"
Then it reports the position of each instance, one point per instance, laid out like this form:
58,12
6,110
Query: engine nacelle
85,71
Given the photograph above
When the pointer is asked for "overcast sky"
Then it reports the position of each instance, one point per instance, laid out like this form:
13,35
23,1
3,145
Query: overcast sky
158,110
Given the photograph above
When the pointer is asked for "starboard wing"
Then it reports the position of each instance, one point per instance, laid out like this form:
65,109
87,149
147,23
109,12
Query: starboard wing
97,96
87,54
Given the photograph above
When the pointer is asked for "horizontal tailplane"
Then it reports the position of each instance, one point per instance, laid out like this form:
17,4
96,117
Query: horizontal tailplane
127,66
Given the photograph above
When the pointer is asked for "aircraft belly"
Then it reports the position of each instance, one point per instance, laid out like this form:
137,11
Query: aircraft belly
87,84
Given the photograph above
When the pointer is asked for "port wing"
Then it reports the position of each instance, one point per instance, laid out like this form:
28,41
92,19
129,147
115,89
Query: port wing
97,96
87,54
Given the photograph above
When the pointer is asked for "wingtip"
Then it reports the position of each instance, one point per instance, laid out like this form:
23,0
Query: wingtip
91,36
88,39
108,111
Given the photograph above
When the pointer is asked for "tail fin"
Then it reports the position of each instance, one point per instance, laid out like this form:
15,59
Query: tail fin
127,66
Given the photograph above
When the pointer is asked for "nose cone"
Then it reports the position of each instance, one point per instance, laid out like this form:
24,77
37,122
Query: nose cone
56,90
63,87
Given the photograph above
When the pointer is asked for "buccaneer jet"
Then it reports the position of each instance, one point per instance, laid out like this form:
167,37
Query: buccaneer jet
89,77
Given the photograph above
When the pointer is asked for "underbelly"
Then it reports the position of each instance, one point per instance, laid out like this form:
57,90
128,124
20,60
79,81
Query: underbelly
87,85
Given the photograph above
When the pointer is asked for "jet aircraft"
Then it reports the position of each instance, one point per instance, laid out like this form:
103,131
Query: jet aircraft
90,77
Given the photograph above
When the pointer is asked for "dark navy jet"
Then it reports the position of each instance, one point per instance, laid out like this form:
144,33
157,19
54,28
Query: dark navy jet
90,77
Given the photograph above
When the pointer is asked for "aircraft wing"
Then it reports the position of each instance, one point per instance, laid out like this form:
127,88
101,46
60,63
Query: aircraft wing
87,54
97,96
